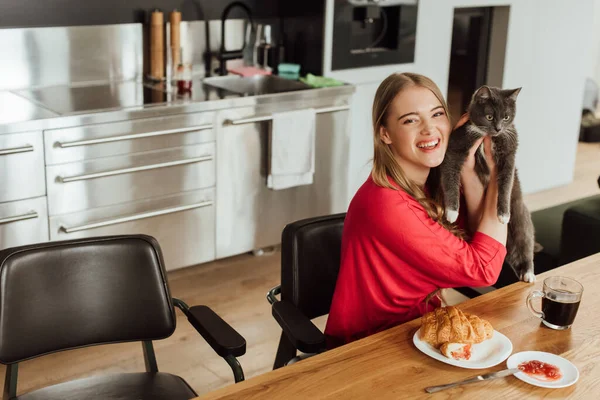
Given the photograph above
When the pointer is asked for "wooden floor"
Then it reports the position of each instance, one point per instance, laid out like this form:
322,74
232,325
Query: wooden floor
235,288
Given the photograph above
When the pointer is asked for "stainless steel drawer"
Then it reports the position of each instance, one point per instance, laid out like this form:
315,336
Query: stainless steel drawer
184,225
112,180
21,166
138,135
23,222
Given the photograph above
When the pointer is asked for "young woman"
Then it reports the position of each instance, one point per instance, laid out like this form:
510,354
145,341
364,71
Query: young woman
397,247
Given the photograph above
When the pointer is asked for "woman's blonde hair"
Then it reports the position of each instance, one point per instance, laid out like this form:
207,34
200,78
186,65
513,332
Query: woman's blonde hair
384,162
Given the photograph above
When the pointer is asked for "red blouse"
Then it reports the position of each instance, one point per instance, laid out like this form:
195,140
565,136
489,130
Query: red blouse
393,256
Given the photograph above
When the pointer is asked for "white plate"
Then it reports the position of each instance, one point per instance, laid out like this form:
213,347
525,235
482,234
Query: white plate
483,355
570,373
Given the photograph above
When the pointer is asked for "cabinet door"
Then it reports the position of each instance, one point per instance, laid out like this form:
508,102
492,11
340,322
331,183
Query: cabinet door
249,214
184,225
21,166
23,222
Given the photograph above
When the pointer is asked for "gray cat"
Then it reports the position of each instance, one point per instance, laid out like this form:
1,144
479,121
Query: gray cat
491,112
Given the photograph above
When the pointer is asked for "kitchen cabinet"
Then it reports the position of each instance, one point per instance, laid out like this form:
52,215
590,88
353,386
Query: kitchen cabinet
23,222
191,175
251,216
21,166
183,224
154,176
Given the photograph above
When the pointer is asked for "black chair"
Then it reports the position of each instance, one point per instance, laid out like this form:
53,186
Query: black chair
310,261
64,295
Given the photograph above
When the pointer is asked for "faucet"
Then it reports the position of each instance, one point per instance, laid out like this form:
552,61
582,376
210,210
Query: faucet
225,55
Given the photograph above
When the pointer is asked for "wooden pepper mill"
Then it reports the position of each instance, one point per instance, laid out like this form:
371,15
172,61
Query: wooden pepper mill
175,21
157,46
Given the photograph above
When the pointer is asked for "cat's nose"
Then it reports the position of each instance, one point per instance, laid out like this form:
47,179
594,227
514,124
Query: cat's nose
498,128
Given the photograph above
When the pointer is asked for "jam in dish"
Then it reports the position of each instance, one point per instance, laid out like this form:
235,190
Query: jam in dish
541,370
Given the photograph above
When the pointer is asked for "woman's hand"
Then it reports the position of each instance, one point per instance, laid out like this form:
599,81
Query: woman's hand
489,158
490,224
481,203
472,188
468,169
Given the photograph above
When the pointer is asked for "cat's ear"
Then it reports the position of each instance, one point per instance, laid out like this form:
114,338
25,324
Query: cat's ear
483,93
512,94
384,135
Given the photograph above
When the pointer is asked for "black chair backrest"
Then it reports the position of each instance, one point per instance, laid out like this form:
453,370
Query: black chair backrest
63,295
310,262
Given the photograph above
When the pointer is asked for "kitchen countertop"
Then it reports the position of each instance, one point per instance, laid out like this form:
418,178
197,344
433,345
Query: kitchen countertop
72,100
62,106
14,108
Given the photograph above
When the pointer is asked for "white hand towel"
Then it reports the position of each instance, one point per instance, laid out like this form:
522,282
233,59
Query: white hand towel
292,149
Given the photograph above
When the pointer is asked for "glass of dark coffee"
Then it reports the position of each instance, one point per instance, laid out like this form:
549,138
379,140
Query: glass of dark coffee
560,301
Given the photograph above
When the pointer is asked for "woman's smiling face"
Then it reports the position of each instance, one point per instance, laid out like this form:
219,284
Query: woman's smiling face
417,130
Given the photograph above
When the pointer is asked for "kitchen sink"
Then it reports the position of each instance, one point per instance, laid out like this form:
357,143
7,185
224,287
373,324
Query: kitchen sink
255,85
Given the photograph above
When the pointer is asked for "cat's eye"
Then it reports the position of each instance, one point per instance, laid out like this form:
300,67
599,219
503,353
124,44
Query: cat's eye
506,117
489,117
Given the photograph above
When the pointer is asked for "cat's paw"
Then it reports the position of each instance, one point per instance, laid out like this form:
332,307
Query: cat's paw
528,277
451,215
504,218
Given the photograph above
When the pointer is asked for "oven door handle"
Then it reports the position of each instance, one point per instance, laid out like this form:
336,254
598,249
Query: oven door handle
262,118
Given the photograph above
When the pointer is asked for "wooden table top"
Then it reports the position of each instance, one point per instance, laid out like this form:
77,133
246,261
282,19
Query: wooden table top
388,366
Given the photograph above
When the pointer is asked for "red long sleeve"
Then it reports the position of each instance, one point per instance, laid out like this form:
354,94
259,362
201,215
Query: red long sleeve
393,256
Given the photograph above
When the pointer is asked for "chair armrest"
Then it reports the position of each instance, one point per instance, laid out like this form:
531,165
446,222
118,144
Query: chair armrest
224,340
300,330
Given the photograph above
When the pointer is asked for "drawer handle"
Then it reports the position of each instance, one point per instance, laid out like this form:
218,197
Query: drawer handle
15,150
132,136
135,217
67,179
261,118
16,218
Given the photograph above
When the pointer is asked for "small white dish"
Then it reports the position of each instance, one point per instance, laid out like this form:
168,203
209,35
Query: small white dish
570,373
483,355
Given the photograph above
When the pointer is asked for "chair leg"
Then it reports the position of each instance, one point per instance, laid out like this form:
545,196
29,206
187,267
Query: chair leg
285,352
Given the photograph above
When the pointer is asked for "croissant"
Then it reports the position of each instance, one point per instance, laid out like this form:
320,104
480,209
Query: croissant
451,325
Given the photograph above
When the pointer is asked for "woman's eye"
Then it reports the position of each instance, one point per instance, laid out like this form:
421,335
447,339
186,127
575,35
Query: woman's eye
506,117
489,117
438,114
409,121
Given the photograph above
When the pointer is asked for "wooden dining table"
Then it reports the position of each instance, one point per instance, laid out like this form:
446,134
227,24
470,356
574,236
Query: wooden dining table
387,365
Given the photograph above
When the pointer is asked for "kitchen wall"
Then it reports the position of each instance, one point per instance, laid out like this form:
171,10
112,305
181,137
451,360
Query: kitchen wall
35,13
546,55
594,49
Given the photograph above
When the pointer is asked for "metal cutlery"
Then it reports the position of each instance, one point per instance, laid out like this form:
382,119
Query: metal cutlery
478,378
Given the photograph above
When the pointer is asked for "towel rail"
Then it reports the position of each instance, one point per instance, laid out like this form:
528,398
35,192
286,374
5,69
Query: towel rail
261,118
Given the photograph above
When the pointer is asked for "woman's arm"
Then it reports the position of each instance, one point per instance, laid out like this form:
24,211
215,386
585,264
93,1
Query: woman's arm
472,190
490,224
434,254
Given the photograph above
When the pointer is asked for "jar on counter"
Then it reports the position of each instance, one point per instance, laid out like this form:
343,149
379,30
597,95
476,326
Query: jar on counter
183,77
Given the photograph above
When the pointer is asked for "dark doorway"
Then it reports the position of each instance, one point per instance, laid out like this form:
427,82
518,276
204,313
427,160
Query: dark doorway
469,55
